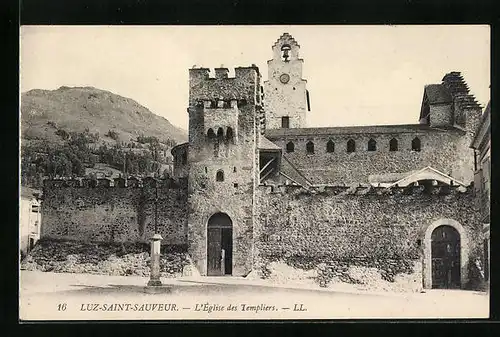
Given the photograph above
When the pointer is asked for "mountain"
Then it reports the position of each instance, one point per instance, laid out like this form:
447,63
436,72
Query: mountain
75,109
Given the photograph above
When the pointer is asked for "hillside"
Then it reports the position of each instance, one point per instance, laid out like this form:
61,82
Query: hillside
76,109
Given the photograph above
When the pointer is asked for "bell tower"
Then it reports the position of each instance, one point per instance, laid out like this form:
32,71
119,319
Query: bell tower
286,99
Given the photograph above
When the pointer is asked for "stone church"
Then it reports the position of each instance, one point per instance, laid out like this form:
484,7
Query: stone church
254,183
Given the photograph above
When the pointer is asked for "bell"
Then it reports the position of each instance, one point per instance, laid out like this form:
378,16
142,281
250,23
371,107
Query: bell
285,55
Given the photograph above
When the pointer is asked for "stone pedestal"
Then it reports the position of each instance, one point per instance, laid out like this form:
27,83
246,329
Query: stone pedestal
154,279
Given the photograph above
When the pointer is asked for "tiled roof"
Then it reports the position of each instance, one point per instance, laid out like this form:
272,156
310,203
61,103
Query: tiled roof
347,130
437,94
266,144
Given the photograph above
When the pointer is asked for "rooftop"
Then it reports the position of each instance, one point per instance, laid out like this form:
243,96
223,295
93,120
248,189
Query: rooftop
286,38
266,144
437,94
483,131
347,130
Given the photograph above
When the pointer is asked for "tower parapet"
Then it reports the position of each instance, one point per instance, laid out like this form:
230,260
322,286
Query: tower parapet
243,86
216,103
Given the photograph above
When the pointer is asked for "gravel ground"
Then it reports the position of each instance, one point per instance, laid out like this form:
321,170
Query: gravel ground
63,296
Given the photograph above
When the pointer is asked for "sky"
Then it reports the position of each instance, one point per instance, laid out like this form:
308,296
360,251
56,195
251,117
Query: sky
356,75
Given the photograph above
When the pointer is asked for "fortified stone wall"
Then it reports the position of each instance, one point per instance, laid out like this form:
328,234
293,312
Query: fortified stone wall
337,224
77,211
444,150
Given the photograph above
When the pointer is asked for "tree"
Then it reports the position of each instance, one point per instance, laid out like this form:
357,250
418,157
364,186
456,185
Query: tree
113,134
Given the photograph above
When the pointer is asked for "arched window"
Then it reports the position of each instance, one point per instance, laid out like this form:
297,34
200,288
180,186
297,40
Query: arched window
372,145
210,133
415,144
219,176
330,146
290,147
393,144
310,147
285,52
229,133
220,133
351,145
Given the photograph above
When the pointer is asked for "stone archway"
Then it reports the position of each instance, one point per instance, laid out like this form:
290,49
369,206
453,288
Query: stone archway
427,251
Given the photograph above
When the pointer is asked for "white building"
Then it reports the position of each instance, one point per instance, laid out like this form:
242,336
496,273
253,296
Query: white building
482,155
30,218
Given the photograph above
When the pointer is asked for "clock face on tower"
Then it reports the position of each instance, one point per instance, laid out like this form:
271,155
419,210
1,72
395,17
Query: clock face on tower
284,78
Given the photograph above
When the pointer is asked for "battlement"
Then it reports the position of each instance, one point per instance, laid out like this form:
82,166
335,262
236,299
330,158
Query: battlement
366,190
222,73
222,91
131,182
221,103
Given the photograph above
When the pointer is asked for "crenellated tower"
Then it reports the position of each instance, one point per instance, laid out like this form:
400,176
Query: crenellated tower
223,131
286,97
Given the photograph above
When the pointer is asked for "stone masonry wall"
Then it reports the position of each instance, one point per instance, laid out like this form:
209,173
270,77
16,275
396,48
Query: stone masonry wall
444,150
336,225
114,214
441,115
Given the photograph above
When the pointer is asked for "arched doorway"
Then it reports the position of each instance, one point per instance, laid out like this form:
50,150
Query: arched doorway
445,254
460,239
219,245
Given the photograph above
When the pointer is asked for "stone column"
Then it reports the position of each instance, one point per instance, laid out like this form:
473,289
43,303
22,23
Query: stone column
154,279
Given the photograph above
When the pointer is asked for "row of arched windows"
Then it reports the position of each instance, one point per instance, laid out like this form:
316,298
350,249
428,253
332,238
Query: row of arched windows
220,133
351,146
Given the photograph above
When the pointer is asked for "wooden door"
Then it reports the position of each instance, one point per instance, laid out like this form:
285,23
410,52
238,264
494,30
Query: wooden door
214,252
227,246
445,250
